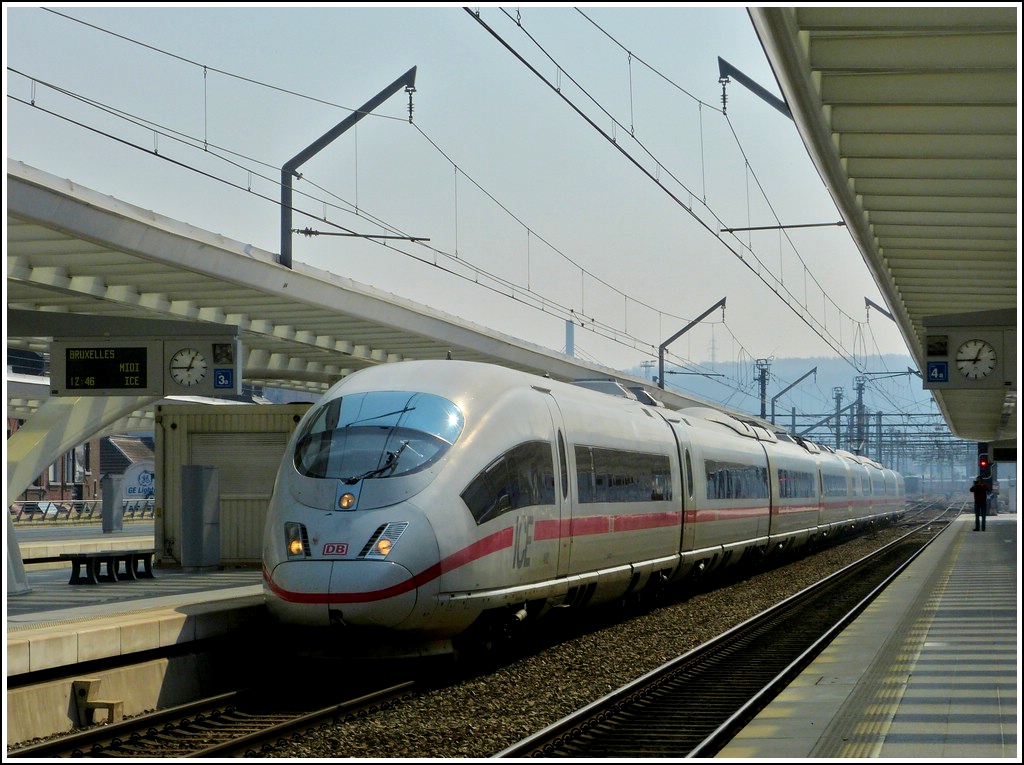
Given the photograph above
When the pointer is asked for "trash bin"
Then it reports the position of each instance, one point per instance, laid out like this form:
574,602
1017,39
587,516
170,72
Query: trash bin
112,510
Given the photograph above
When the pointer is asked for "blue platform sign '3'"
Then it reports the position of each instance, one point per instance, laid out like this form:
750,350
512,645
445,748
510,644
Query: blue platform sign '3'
223,378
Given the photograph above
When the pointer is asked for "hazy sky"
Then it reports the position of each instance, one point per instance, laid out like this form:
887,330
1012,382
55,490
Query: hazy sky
561,162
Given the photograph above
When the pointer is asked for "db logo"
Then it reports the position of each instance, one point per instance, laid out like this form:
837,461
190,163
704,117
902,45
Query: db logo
336,548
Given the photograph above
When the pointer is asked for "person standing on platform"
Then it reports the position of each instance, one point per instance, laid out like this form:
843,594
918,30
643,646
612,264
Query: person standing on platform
980,491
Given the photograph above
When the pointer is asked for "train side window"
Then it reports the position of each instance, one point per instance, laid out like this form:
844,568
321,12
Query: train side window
616,475
795,483
521,477
834,485
733,480
877,484
563,466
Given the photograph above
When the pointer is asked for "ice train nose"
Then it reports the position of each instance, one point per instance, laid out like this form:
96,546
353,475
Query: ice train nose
371,593
353,593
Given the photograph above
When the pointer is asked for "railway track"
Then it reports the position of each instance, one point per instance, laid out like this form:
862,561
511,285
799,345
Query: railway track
693,705
236,724
240,724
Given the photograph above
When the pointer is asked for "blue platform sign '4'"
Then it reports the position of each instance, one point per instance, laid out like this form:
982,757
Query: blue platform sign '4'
938,371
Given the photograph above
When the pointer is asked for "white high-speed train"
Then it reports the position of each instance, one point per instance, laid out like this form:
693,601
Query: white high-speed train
422,501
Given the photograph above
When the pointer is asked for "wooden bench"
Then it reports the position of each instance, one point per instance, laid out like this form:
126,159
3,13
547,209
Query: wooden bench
110,565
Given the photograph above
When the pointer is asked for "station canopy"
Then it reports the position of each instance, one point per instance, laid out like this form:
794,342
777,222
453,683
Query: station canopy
86,264
911,116
909,113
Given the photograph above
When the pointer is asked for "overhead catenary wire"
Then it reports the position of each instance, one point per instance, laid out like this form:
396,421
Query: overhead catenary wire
732,385
354,206
505,287
206,69
820,330
511,291
480,276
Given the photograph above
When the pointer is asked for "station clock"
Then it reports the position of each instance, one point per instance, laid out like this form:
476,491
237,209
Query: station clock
976,359
188,367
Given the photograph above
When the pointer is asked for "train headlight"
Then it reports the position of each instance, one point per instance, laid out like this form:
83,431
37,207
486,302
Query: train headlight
346,496
296,541
382,541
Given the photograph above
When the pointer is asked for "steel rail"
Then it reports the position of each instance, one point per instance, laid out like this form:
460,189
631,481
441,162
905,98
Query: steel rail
633,713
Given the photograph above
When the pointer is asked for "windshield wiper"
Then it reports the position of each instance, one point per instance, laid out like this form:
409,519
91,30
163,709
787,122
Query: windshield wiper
378,416
389,464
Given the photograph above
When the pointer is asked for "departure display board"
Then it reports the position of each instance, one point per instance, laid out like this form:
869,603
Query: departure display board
209,365
105,367
102,366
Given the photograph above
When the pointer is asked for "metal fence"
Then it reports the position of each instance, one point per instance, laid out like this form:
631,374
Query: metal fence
77,510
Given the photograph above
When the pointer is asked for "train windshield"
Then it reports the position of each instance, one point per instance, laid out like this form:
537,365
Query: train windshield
381,434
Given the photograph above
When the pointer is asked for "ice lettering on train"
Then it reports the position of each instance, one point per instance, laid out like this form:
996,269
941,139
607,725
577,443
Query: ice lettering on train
523,538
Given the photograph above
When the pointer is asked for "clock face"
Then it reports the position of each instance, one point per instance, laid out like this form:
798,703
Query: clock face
188,367
976,359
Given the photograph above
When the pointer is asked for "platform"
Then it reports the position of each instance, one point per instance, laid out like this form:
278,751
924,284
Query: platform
56,624
931,670
67,631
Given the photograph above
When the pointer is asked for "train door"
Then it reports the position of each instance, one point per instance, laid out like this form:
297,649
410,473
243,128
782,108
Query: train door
562,487
771,523
687,485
